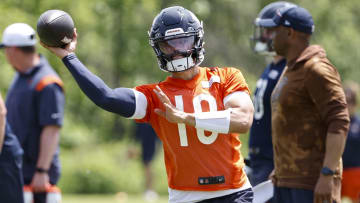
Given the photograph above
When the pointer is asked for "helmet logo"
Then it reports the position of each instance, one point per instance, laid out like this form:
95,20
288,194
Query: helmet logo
174,31
66,40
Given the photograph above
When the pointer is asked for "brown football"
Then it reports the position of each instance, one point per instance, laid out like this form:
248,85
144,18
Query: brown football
55,28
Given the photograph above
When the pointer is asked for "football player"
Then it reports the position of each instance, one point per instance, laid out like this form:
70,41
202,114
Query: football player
260,144
196,112
350,178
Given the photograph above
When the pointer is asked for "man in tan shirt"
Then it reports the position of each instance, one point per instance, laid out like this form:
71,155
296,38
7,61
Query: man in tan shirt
309,115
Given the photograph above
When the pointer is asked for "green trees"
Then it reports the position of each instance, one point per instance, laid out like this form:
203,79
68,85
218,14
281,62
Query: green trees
113,43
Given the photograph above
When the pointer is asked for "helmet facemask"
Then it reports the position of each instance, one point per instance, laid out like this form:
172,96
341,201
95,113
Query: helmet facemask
261,40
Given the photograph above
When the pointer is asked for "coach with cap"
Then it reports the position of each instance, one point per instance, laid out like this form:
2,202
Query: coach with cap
309,114
35,104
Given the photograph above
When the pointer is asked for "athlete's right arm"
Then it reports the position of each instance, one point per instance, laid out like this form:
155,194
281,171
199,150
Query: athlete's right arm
123,101
120,100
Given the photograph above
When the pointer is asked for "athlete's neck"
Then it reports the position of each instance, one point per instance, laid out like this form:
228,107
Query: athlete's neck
186,75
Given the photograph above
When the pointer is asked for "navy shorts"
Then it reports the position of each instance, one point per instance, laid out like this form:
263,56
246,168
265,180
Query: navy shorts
11,180
147,136
243,196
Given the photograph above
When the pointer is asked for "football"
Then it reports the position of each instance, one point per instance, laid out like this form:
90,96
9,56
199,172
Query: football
55,28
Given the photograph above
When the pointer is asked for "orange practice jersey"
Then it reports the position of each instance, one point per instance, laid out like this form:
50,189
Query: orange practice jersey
195,158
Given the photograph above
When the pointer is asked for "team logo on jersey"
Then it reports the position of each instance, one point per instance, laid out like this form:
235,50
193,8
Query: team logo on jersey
56,115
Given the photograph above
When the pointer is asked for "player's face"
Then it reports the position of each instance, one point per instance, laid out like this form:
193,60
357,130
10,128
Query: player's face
177,48
280,37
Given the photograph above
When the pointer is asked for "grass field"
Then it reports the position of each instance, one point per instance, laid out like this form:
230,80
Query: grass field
118,198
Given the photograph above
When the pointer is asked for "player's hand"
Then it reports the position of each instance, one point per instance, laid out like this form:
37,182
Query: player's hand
171,113
323,189
40,182
62,52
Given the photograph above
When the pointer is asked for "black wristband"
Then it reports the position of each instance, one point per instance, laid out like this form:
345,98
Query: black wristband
41,170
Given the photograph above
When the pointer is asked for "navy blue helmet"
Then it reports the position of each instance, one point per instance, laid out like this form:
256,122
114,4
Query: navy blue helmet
176,36
262,39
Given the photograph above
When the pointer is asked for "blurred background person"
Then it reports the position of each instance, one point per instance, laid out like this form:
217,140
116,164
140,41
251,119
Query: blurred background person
35,103
310,119
260,144
11,179
148,140
351,162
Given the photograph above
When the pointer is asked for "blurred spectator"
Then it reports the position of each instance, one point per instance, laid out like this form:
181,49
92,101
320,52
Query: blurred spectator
351,162
35,104
148,138
11,179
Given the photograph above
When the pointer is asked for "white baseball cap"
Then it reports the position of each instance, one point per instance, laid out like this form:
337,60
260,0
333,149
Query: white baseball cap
18,35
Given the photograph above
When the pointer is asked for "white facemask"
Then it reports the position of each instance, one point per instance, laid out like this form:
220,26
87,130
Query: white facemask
182,64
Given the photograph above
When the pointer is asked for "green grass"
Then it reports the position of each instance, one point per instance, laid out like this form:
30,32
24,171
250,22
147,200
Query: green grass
117,198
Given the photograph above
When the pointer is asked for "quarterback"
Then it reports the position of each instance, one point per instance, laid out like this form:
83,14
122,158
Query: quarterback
196,112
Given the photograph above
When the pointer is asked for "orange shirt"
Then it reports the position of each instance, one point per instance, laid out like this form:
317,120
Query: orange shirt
192,154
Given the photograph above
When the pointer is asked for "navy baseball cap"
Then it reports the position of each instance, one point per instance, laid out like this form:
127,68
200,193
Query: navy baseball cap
297,18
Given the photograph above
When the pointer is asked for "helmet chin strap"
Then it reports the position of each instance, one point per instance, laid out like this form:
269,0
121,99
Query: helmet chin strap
179,65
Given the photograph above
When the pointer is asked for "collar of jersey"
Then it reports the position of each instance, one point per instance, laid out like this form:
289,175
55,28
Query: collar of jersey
187,83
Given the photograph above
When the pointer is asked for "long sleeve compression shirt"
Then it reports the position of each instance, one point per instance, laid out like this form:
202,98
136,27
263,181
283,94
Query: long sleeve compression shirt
120,100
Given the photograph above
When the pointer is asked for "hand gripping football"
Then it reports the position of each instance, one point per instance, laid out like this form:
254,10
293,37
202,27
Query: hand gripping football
55,28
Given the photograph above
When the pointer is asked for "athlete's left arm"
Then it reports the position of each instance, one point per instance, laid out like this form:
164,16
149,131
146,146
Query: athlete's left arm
236,118
242,111
49,141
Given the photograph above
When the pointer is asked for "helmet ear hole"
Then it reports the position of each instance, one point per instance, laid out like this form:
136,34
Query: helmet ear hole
173,23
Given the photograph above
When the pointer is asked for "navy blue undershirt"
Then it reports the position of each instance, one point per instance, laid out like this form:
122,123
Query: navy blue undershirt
119,100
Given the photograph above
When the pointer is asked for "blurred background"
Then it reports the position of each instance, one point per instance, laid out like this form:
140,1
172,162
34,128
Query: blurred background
113,43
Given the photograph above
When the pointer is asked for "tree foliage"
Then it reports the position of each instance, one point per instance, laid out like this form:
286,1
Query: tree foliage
113,43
